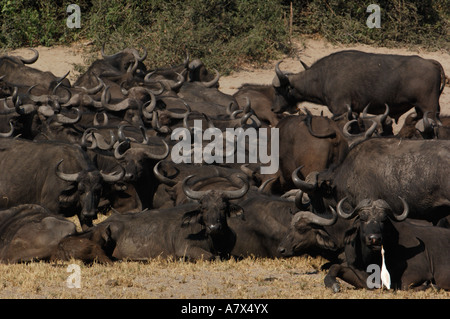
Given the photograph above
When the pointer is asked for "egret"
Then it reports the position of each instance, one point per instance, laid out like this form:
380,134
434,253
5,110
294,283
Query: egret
385,277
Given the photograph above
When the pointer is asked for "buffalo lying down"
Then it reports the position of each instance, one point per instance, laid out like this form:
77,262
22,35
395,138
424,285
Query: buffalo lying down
192,231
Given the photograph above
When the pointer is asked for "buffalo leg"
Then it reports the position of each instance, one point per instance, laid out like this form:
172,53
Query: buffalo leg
355,277
196,253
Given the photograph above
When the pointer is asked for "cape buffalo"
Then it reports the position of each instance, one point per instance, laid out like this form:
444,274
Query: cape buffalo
387,168
357,78
31,232
414,251
192,231
58,176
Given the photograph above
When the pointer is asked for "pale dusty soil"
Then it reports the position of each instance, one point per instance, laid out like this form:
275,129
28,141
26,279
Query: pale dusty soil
298,277
60,59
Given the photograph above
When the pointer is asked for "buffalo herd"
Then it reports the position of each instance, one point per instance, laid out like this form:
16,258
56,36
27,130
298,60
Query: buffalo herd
347,188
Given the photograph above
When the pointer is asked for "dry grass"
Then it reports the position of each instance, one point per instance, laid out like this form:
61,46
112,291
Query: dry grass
294,278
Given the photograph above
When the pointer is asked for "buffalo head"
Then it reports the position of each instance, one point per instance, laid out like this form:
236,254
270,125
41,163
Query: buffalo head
286,97
84,191
308,235
372,216
214,206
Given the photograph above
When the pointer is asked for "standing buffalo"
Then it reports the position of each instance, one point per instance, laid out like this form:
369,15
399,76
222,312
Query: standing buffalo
357,78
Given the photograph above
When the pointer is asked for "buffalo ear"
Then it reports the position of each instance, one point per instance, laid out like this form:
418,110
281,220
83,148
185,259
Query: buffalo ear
106,234
324,240
236,211
191,217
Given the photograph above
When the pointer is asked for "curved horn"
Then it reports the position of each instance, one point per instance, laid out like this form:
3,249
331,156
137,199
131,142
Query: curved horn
65,176
214,81
113,177
239,192
117,150
299,201
178,84
149,106
405,212
315,219
106,96
385,114
84,139
67,120
189,192
358,138
144,56
301,184
58,80
108,56
308,121
11,131
179,115
284,80
31,60
163,179
95,122
95,89
305,66
6,109
342,213
266,182
160,156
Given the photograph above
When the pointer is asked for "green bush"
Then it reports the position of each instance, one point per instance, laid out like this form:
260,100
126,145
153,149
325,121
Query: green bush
223,33
409,22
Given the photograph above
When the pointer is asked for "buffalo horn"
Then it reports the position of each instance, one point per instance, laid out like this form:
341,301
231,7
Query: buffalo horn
149,106
341,211
163,179
314,218
67,120
108,56
214,81
6,110
113,177
237,193
190,192
283,79
178,84
105,119
65,176
11,131
405,212
301,184
305,66
118,152
299,201
31,60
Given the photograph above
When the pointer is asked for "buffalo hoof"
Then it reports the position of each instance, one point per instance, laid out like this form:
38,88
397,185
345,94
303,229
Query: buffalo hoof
336,287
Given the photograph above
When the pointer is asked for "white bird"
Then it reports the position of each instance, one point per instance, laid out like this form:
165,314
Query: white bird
385,277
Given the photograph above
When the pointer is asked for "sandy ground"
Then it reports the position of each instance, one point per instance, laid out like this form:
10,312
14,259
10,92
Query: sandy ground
60,59
292,278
